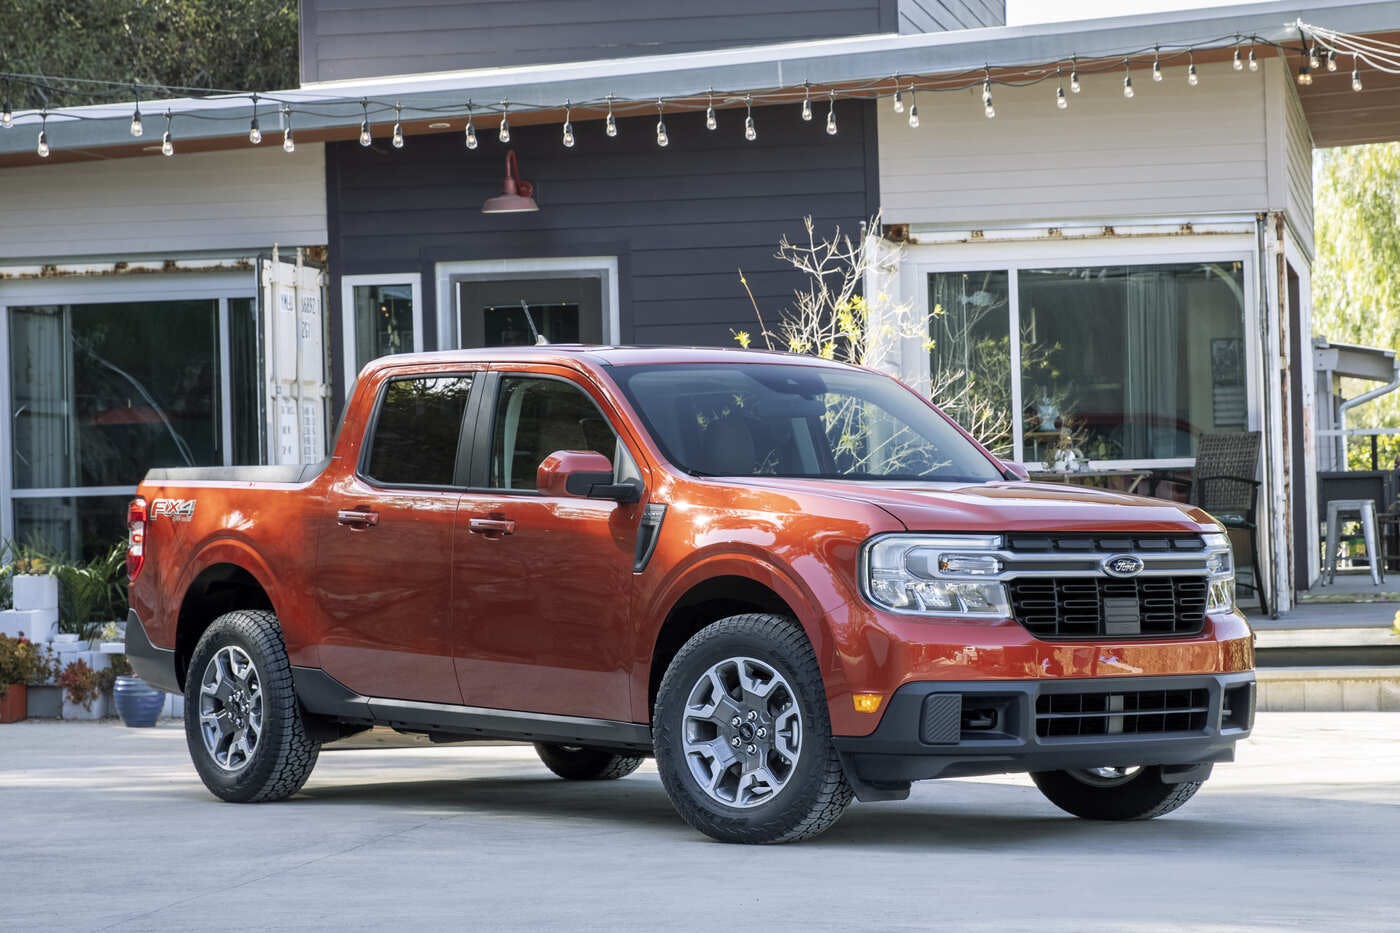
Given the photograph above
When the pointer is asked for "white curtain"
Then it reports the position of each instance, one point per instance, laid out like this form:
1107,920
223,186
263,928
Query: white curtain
1153,361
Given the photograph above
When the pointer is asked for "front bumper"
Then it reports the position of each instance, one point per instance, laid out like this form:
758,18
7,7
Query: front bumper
154,665
956,729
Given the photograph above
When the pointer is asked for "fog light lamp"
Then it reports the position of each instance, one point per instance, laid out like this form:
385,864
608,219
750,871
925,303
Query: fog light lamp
867,702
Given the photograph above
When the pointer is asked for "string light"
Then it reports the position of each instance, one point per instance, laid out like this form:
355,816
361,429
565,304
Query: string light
898,98
289,143
1355,73
254,131
710,122
136,128
611,124
1305,74
1074,75
1061,101
1331,59
1313,62
807,102
1157,67
913,108
167,146
1127,79
1253,62
7,115
568,138
365,136
503,131
987,107
750,131
398,126
43,146
662,138
1193,78
471,128
831,113
1237,62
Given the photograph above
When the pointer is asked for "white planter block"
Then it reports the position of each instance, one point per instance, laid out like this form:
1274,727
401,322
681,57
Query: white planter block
174,707
111,647
76,710
35,591
37,625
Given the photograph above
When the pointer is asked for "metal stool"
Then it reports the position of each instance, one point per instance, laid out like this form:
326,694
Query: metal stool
1366,509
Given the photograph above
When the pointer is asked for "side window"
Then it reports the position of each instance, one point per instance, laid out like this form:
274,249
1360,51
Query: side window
536,417
414,440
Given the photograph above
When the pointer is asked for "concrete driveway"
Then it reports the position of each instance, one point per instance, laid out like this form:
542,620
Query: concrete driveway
103,827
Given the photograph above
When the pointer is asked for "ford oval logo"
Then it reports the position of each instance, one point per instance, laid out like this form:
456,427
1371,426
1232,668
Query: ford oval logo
1123,565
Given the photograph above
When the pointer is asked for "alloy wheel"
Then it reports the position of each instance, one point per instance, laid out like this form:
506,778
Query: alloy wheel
231,708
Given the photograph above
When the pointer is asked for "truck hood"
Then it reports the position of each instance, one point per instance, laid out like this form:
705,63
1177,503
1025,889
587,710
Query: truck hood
1010,506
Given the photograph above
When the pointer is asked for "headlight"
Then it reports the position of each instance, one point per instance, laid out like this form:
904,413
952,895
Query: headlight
1220,561
935,575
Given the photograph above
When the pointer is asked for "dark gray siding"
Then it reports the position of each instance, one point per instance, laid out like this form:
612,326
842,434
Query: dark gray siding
941,15
369,38
681,221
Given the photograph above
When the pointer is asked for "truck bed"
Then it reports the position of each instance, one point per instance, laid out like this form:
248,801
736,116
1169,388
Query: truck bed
291,473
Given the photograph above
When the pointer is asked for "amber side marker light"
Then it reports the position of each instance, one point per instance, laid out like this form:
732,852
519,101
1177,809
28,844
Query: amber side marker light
867,702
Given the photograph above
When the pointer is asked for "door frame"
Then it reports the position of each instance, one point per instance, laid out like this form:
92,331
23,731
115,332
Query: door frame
448,274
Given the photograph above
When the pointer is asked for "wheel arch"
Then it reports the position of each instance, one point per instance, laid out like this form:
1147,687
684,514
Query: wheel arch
226,580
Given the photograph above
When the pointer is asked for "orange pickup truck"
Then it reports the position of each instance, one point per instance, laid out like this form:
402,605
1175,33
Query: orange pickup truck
793,582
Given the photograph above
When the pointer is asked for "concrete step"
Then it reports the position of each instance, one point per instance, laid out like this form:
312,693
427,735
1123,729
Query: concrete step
1329,689
1370,646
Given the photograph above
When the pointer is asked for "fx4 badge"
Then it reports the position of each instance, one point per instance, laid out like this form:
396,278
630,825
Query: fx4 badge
177,510
1124,565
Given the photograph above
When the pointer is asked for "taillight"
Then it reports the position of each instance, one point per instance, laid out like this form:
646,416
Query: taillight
135,537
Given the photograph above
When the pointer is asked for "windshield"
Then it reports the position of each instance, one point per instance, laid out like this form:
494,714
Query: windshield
770,419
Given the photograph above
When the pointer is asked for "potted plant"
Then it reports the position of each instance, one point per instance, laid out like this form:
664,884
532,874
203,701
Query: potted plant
138,703
21,663
84,690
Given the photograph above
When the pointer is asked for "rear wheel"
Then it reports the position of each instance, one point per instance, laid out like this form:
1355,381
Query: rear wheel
742,734
243,724
1114,793
577,763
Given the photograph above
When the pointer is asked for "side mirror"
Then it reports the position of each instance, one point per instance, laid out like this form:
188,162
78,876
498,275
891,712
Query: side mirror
1016,469
583,474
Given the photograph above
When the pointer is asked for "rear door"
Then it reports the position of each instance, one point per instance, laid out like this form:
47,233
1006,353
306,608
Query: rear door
541,584
384,564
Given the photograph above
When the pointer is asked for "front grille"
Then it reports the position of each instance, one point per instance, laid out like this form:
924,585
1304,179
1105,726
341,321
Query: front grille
1092,607
1058,715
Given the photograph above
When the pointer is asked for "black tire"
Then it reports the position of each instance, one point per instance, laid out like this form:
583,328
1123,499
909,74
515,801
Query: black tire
576,763
816,792
1141,796
283,755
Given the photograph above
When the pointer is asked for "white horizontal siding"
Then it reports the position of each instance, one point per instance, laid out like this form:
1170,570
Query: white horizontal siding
195,202
1299,199
1173,150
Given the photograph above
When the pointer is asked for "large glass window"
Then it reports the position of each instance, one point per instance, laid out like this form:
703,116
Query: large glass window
417,431
383,316
970,356
537,417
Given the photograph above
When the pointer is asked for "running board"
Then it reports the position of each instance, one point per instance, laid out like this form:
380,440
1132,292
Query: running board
323,695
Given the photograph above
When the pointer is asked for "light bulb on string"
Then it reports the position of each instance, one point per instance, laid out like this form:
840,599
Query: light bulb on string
610,125
254,131
750,131
898,102
1127,79
1061,101
807,103
1253,61
1313,62
568,136
1355,73
711,123
913,108
987,107
1305,74
7,115
1331,59
366,137
503,131
398,126
43,145
1074,75
831,112
1237,62
289,143
470,135
1157,67
167,145
663,139
137,128
1193,78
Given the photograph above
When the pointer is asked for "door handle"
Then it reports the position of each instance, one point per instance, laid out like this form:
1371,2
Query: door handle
357,518
491,527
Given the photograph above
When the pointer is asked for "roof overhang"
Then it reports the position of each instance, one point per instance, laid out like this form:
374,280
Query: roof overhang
861,66
1357,362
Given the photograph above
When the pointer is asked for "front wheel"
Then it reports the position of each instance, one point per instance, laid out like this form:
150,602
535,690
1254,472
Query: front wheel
1114,793
742,734
576,763
243,724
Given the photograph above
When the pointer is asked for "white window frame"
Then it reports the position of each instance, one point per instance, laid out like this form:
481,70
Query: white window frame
447,274
1014,255
22,293
348,284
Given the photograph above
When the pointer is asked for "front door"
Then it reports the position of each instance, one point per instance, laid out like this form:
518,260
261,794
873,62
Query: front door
385,546
541,584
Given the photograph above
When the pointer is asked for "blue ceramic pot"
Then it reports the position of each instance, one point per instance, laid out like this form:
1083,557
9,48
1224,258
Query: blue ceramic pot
138,703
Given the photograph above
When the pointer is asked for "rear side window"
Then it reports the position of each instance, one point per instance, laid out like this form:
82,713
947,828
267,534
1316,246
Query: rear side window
415,435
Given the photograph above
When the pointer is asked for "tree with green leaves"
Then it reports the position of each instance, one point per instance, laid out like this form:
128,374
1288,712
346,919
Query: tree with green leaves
1356,275
204,44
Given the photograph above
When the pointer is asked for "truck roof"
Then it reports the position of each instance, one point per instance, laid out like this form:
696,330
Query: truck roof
600,356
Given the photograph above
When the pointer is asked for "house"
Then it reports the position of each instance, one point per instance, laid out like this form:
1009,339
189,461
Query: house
1134,251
